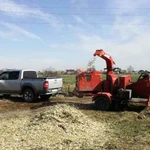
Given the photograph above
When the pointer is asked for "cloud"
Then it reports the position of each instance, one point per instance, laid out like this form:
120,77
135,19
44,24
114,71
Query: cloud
15,30
127,6
84,43
133,53
78,19
37,64
124,26
9,7
4,34
79,3
126,29
129,35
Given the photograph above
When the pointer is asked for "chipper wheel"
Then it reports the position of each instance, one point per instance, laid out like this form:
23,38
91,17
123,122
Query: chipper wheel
102,103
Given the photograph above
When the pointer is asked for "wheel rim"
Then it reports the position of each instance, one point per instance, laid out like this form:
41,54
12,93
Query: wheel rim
28,96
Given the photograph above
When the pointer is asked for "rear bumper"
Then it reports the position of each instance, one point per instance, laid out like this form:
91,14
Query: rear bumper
51,91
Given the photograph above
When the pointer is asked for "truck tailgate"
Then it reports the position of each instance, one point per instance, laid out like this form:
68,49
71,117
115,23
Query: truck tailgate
55,83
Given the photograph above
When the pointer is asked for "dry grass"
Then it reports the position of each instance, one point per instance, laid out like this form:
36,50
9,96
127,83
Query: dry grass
58,127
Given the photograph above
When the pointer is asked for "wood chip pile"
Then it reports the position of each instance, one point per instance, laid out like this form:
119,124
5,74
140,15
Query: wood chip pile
58,127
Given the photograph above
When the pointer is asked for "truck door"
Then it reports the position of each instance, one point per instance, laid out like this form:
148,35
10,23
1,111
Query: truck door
9,82
13,82
3,79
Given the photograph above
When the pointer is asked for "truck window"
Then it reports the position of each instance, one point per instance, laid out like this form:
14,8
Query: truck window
29,75
14,75
4,76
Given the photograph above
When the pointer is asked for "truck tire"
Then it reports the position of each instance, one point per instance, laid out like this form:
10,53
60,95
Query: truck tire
28,95
45,97
102,103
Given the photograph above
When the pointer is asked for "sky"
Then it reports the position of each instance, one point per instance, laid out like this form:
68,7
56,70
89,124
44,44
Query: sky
64,34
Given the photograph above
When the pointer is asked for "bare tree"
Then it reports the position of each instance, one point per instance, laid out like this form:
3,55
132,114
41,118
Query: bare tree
49,72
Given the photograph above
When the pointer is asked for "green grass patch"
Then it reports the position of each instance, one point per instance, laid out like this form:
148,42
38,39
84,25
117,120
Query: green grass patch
68,82
69,79
127,130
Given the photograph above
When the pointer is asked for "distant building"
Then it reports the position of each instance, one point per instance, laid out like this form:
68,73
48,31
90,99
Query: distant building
70,71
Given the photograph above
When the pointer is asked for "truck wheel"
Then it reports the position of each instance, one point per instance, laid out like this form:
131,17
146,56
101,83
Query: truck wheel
102,103
45,97
28,95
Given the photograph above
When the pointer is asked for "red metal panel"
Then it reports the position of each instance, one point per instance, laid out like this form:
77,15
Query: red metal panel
140,88
89,81
124,81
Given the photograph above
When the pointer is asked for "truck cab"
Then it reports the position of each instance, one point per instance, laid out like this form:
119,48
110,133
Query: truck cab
10,79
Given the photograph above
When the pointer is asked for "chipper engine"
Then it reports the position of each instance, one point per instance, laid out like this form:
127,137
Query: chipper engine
114,91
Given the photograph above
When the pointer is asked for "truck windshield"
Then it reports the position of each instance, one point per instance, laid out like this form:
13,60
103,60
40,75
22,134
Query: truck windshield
29,75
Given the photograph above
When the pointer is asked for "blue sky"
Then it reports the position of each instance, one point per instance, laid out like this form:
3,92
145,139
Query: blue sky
64,34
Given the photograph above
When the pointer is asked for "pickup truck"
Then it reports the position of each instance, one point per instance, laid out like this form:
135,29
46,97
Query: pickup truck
27,84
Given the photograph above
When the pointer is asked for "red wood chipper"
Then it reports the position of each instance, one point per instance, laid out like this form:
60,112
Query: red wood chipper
114,91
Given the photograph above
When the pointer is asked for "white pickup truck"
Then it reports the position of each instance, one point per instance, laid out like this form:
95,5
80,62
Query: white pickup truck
27,84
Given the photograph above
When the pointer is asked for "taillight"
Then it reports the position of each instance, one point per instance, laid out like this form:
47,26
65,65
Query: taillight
45,85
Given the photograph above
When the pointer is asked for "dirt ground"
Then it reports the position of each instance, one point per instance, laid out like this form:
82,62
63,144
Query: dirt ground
16,103
71,123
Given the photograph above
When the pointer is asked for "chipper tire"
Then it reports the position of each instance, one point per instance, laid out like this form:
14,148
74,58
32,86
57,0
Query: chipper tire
28,95
102,103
